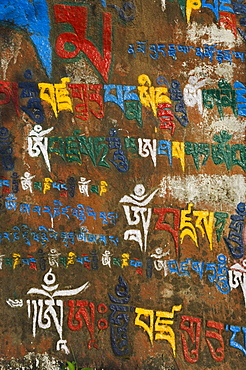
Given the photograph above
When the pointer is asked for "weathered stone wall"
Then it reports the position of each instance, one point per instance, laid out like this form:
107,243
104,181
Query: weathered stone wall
122,207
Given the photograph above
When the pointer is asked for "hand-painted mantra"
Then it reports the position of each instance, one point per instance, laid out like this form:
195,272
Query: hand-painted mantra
205,220
90,261
155,51
34,96
80,212
182,220
161,97
24,234
160,322
66,189
75,147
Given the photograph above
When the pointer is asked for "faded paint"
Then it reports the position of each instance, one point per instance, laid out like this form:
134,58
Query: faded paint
10,51
33,361
221,191
212,34
204,70
233,125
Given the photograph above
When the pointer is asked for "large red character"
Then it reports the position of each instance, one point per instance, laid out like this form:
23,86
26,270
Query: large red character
77,16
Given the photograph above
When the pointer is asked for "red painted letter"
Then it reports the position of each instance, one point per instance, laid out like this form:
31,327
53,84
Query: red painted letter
164,226
218,336
77,17
194,336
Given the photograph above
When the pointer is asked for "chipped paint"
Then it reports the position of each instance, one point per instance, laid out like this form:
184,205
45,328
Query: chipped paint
10,52
81,72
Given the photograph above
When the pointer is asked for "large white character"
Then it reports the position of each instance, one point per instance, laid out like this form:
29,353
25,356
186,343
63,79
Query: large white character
37,143
140,212
45,309
145,148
